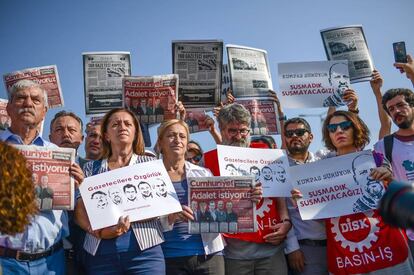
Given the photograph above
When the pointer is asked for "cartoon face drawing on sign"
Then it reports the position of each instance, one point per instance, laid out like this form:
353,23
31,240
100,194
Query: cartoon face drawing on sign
115,195
267,174
280,174
100,199
130,192
255,171
160,188
145,189
338,79
372,190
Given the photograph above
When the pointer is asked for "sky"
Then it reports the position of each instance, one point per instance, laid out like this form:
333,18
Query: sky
45,32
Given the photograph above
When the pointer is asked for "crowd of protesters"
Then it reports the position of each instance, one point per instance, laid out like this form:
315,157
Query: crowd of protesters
36,241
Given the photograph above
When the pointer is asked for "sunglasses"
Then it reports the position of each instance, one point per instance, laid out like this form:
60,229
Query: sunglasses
344,125
196,158
297,132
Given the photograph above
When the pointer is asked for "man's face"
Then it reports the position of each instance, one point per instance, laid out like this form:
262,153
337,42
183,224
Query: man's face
280,174
236,134
35,179
149,102
229,206
220,205
256,173
115,195
232,170
375,190
127,102
27,107
131,193
93,144
267,173
66,132
339,78
145,189
161,187
101,201
157,102
212,205
194,206
297,144
203,206
135,103
401,112
44,180
143,104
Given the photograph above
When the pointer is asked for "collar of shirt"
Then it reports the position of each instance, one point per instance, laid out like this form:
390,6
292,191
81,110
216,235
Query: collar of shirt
9,137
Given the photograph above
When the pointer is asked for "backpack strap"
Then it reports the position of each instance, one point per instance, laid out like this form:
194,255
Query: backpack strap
388,144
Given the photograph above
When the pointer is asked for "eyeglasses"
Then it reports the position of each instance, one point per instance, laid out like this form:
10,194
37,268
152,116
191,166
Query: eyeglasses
399,106
196,158
297,132
344,125
233,131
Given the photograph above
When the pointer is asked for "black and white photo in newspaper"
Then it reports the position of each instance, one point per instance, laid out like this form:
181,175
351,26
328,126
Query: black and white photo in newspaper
349,43
103,73
249,71
198,64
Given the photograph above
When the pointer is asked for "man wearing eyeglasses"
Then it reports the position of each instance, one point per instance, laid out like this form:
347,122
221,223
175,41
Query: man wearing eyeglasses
260,252
398,147
307,255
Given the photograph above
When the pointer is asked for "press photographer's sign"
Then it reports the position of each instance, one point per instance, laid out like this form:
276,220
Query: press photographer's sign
141,191
337,186
313,84
268,166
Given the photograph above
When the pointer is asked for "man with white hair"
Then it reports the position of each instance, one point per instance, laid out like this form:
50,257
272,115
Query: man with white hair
38,250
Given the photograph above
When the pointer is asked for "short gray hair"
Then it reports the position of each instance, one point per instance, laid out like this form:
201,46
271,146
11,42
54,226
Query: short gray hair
233,113
24,84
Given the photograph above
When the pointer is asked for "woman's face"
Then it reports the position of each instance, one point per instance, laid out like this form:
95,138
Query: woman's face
174,140
343,136
121,129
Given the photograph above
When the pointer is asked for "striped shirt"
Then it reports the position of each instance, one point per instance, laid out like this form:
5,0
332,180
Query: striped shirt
147,233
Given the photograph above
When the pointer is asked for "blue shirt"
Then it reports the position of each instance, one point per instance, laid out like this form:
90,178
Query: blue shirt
46,228
178,243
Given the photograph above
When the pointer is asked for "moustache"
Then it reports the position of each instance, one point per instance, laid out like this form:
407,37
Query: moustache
26,110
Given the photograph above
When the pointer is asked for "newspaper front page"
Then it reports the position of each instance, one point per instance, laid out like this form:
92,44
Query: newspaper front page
151,98
103,73
349,43
54,187
264,115
5,121
199,64
196,120
249,71
221,204
47,77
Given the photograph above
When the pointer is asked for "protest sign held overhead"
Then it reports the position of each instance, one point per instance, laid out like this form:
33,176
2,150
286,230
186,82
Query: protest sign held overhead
140,191
268,166
337,186
151,98
5,121
249,71
54,187
221,204
47,77
349,43
263,112
313,84
199,64
103,73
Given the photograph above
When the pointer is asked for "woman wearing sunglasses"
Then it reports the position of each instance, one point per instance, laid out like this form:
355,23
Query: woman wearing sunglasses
362,242
186,253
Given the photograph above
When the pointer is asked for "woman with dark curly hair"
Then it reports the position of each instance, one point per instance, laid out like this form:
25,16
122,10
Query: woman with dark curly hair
361,242
17,201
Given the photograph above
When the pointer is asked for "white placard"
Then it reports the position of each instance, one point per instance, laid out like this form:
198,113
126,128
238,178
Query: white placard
336,186
141,191
269,166
313,84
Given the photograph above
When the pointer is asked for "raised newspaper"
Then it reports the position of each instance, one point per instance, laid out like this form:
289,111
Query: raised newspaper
264,115
54,187
5,120
151,98
142,191
249,71
349,43
198,63
102,74
268,166
313,84
47,77
221,204
337,186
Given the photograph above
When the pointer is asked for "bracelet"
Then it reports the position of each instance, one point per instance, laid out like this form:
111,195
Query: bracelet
287,220
355,111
